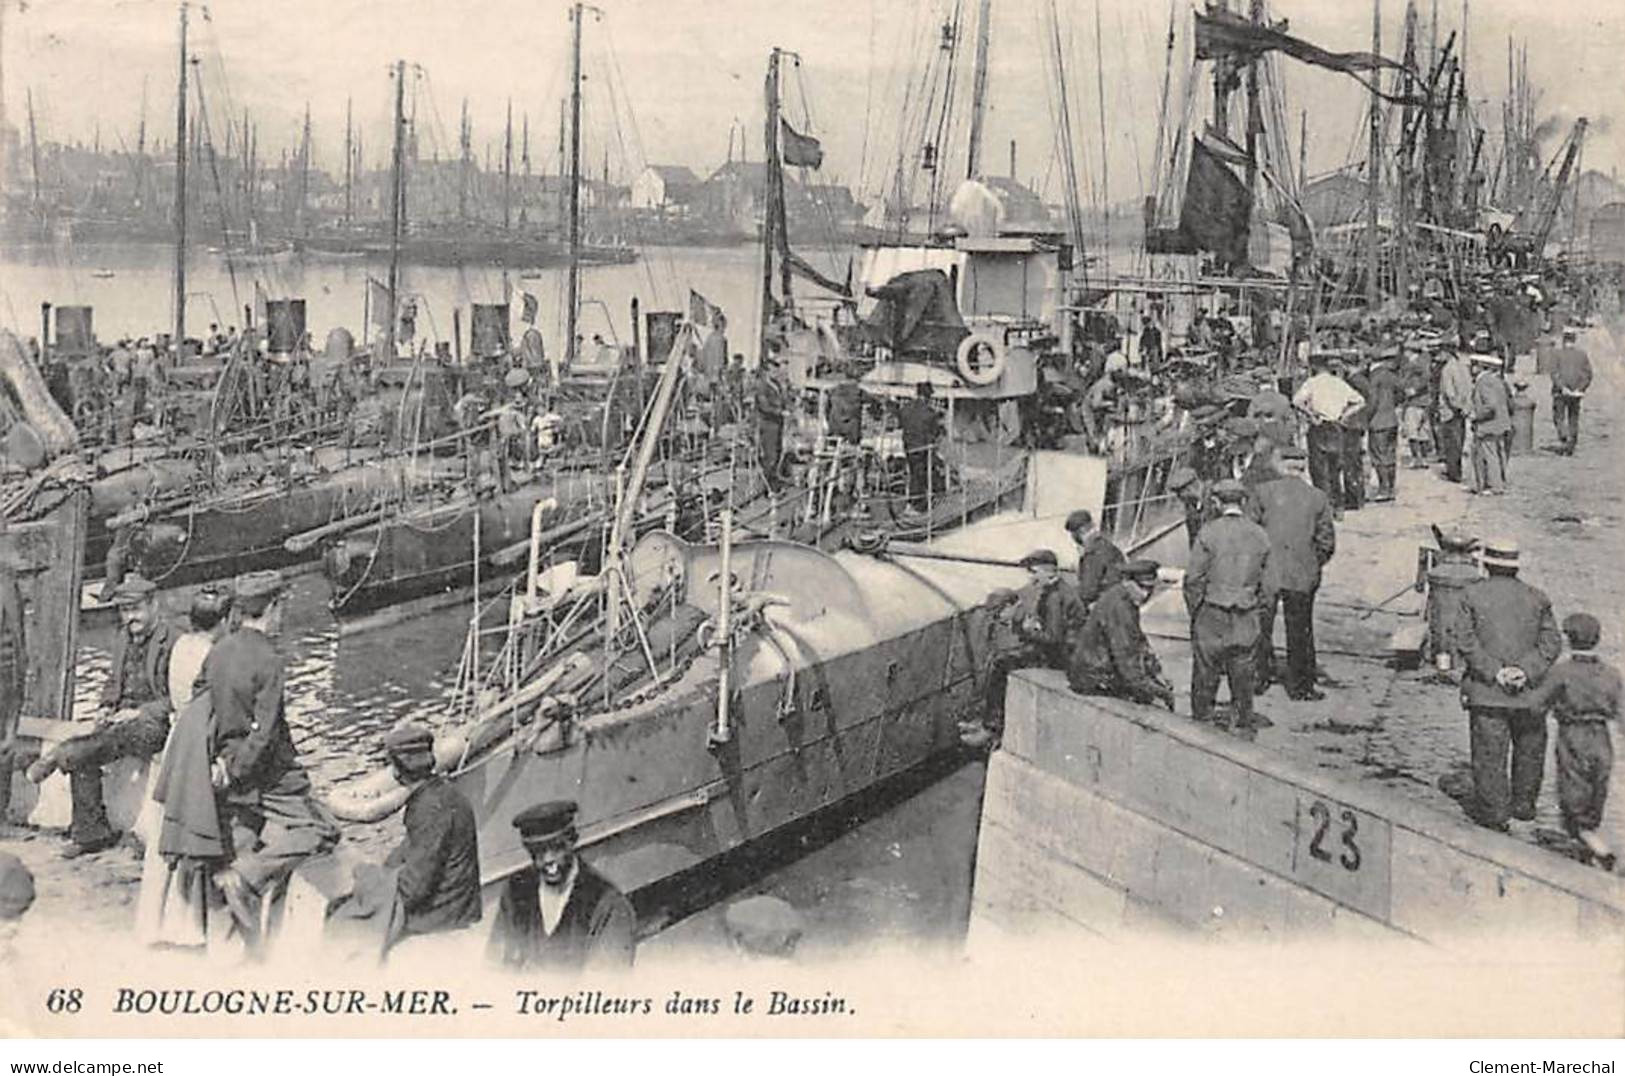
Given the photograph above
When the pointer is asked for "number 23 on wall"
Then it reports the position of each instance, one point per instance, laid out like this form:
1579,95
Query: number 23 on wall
1343,849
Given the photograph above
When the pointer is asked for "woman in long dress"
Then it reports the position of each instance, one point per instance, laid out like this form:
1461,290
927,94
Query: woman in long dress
179,825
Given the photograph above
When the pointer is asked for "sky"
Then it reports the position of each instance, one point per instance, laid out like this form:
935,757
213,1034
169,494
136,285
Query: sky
680,73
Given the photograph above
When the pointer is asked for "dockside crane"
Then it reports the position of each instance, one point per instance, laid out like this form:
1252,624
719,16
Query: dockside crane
1519,246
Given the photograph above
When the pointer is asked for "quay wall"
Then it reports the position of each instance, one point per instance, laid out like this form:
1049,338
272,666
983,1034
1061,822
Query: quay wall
1104,820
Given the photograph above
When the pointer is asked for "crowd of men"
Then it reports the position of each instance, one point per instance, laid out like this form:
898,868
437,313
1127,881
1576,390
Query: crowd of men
233,814
1261,520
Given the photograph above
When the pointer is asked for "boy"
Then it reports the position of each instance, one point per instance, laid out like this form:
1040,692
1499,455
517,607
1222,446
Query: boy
1584,695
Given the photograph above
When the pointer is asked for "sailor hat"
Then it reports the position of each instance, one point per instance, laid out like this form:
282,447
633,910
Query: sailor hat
1040,557
546,822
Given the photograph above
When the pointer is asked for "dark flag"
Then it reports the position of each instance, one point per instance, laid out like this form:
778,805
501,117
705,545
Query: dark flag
701,311
1224,35
528,308
800,150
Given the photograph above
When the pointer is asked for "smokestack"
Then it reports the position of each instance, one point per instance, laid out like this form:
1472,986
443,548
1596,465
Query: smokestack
1012,160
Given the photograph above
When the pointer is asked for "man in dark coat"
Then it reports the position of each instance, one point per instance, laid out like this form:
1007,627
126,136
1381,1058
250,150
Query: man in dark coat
1354,430
921,426
135,723
1382,427
275,822
1110,654
1193,498
559,914
844,409
1100,562
13,669
1050,613
1508,640
772,398
1224,590
1298,519
1571,377
437,884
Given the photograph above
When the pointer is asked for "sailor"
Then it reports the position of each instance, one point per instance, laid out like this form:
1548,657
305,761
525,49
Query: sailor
1455,408
1100,562
1571,377
559,913
1224,591
1110,653
512,422
135,721
1298,519
437,881
275,822
1382,433
772,397
1416,380
1324,400
921,427
1492,421
1150,344
1508,639
1052,611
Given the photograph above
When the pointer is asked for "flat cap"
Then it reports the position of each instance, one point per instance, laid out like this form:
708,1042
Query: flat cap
16,887
1180,478
1000,597
1241,427
1040,557
258,584
1141,569
764,926
1229,490
546,822
409,739
133,590
516,378
1582,629
1082,519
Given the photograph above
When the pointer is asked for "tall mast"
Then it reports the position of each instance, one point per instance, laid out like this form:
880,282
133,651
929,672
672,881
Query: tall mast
524,152
1223,70
33,146
573,284
507,167
770,214
1373,169
1402,161
349,162
140,146
1100,94
1255,119
465,134
978,104
304,175
5,165
180,195
396,209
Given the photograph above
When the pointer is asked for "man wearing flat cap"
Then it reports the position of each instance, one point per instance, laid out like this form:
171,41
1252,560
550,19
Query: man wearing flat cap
437,880
1508,640
1224,590
275,822
559,914
1492,422
1100,562
1571,377
1050,612
1298,519
1110,653
1192,492
1382,427
135,719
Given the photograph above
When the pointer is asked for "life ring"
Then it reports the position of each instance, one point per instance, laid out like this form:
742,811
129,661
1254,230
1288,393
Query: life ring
975,369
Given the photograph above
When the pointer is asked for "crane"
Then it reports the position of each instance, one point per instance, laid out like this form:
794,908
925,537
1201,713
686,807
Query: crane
1520,245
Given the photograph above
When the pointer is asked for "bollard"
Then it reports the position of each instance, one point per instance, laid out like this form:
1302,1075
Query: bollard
1447,585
